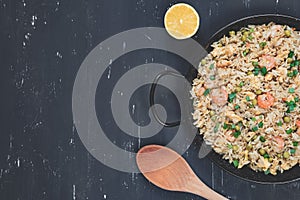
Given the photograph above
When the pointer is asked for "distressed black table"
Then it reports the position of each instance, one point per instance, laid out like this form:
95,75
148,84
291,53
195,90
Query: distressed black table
42,45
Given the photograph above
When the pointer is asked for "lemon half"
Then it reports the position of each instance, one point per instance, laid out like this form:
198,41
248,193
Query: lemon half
181,21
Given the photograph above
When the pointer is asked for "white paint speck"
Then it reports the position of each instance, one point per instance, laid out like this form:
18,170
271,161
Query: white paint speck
71,141
139,137
27,36
58,54
18,162
33,19
222,178
74,192
212,176
104,196
133,109
148,37
124,46
109,72
10,141
24,44
74,52
20,83
247,3
277,2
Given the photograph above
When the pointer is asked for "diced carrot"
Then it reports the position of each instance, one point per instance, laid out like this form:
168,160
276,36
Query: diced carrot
298,122
284,99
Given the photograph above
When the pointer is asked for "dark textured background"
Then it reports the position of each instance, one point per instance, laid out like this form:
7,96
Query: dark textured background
42,44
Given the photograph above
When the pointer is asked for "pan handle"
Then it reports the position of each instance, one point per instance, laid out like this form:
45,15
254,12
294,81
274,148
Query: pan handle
152,95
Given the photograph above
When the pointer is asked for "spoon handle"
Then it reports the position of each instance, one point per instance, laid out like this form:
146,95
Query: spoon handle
199,188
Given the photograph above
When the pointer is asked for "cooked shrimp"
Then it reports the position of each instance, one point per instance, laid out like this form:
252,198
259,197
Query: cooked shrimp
265,100
298,126
219,96
209,84
223,63
275,30
279,141
199,90
267,61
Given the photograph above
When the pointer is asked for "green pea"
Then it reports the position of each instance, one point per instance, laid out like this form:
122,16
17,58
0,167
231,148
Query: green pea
286,154
231,33
258,92
270,159
289,60
279,155
212,113
244,38
249,147
254,137
254,102
238,89
287,33
262,152
246,33
237,128
235,147
286,119
249,73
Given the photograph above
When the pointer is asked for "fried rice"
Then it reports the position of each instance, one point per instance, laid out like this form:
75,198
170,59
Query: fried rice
246,97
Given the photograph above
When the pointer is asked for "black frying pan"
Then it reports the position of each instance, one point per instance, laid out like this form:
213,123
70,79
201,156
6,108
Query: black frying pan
244,173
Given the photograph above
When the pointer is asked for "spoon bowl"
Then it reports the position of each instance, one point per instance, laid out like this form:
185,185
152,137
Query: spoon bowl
168,170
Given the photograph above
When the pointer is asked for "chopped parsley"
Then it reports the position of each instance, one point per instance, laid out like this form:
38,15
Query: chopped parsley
235,163
262,138
289,131
206,92
291,54
237,134
231,97
260,124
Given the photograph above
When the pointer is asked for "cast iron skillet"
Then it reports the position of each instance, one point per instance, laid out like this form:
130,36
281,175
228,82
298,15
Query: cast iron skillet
245,173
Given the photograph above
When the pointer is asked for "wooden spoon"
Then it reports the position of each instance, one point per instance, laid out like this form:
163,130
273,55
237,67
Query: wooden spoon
168,170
